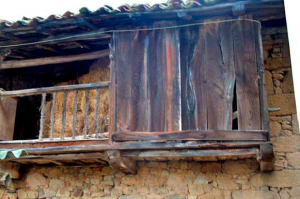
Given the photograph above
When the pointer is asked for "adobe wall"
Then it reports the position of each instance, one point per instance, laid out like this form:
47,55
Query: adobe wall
193,180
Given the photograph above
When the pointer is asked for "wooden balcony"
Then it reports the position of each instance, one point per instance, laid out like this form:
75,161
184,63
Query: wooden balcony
175,97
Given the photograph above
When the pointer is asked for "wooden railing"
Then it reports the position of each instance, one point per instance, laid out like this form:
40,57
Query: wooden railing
44,92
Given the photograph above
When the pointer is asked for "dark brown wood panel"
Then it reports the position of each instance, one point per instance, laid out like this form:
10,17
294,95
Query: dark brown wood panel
193,74
148,91
262,83
220,75
123,50
204,135
246,75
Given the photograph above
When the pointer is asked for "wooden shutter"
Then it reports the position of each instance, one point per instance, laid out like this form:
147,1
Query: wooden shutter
185,78
147,80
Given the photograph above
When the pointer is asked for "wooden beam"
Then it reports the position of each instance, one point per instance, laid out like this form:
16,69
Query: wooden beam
53,60
253,152
123,164
36,91
203,135
21,43
266,158
40,148
59,157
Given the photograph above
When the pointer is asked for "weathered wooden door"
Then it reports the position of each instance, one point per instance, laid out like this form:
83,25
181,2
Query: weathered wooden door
189,78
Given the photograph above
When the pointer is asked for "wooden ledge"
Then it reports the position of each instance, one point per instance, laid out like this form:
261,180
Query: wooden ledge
203,135
125,160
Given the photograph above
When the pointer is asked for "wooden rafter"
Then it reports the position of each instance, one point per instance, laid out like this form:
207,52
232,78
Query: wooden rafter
53,60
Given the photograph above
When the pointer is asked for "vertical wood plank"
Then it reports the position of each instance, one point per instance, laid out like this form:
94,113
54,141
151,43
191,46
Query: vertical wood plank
172,77
86,113
138,104
97,112
188,43
122,63
112,88
199,69
262,83
156,85
74,114
42,119
246,76
148,91
53,112
220,75
63,122
165,79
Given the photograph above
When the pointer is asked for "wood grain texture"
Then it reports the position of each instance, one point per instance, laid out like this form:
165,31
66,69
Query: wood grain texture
220,75
37,148
205,135
248,102
191,153
262,82
148,87
193,78
53,60
36,91
8,107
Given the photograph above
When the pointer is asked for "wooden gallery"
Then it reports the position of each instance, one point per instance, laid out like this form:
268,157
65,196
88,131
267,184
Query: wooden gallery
113,87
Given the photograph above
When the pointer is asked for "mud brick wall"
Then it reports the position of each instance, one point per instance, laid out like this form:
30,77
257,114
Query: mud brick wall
240,179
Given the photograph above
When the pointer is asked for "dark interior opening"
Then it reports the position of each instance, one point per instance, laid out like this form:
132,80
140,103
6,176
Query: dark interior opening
234,109
27,121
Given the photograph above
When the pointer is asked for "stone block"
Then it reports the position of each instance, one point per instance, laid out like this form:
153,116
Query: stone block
295,124
295,193
275,129
225,182
34,180
284,178
255,194
277,63
240,167
196,190
278,76
269,82
293,159
284,194
216,194
55,184
287,83
211,167
286,144
286,103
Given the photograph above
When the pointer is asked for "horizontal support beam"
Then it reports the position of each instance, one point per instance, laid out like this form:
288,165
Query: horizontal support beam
252,152
204,135
41,148
79,156
37,91
53,60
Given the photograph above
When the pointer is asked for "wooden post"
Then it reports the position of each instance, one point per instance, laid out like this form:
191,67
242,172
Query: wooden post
42,120
125,165
97,113
74,115
63,122
86,113
267,158
53,110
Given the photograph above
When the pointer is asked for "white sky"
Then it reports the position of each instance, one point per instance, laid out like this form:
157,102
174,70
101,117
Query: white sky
13,10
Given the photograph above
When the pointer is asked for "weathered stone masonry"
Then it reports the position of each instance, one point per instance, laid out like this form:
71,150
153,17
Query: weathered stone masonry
238,179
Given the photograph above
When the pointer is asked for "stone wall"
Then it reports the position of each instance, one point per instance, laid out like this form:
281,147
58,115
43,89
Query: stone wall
239,179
